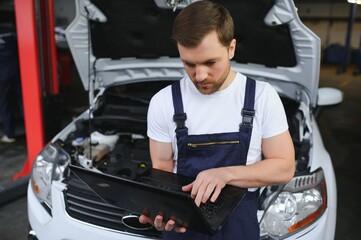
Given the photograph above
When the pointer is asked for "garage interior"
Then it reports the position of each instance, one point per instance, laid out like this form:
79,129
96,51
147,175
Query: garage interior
336,22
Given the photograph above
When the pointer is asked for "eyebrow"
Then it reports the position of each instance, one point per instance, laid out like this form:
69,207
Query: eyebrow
204,62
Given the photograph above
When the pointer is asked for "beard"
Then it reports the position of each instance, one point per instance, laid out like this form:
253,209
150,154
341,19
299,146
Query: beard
210,86
207,87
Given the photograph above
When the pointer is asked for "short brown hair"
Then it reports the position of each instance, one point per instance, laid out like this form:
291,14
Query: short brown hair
200,18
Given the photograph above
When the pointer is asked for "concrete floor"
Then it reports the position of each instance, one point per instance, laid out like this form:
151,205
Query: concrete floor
340,127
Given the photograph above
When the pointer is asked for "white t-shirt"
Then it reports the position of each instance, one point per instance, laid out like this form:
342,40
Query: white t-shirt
219,112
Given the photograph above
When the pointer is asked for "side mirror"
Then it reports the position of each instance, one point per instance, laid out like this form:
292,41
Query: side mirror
327,97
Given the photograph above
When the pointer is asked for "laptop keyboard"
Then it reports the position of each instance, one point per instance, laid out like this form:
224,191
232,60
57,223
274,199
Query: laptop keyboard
160,184
209,209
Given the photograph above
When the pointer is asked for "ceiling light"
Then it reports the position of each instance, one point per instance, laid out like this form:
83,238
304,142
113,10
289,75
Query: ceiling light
354,1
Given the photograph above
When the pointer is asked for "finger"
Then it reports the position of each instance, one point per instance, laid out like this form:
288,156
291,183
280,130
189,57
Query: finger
180,229
199,195
216,193
187,188
170,225
194,192
144,219
196,187
208,192
158,223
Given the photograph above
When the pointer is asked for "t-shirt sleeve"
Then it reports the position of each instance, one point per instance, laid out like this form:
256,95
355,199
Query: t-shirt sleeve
157,123
274,120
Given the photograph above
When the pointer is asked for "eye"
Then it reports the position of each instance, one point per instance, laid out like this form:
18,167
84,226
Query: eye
190,65
210,63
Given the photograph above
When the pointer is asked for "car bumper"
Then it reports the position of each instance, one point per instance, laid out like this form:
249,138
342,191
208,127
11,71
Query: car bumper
61,226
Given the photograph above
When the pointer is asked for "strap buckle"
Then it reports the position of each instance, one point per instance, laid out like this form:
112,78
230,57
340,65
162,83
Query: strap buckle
180,119
248,116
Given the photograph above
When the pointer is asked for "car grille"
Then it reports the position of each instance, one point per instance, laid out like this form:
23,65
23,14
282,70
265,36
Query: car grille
84,205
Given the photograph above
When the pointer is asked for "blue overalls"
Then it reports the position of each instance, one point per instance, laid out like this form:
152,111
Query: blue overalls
200,152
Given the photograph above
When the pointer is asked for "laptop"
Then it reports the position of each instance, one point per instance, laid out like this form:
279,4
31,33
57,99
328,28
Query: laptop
155,192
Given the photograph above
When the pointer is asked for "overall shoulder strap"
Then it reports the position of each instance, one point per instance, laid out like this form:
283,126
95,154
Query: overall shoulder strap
248,107
179,116
245,128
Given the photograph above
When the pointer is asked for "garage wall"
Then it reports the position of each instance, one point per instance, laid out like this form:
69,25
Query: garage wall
335,33
330,22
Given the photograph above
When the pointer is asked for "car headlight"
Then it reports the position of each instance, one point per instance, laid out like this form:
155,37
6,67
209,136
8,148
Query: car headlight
48,166
300,203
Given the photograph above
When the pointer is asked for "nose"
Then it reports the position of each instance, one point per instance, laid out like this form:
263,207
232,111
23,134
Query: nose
200,73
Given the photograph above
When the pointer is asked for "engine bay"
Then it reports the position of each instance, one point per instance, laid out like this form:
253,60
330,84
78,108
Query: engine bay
114,140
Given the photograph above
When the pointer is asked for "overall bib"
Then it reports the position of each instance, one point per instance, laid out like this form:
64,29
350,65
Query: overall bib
200,152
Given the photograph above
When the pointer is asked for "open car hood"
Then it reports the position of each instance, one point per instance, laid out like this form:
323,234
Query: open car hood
128,40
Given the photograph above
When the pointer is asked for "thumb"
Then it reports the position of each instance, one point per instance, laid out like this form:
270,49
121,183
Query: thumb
187,188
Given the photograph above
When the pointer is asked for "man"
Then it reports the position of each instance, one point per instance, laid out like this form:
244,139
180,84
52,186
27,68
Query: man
9,78
213,135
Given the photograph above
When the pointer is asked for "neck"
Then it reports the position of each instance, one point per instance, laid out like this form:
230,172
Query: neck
229,79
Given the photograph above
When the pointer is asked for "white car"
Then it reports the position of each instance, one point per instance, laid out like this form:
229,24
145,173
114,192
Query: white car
124,55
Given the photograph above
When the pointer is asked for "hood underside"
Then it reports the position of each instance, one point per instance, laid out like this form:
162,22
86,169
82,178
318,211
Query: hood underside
121,40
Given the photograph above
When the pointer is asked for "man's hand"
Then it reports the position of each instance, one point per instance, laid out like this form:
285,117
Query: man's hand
208,183
160,225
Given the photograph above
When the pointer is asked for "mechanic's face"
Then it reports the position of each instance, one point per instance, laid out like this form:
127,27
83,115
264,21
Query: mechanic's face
208,64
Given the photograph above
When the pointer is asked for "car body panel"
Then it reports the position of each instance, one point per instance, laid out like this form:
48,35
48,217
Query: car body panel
99,63
61,226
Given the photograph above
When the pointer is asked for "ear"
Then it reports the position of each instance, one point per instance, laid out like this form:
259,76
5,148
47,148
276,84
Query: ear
232,48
